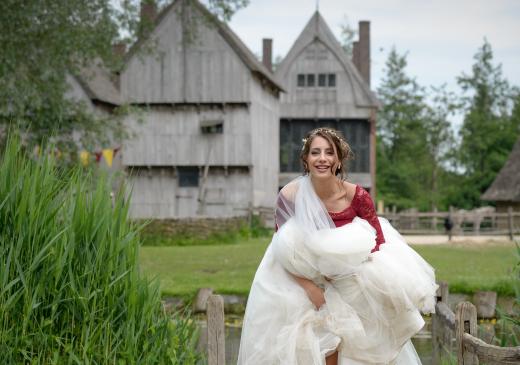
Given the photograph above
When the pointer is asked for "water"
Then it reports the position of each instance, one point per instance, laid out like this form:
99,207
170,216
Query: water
422,341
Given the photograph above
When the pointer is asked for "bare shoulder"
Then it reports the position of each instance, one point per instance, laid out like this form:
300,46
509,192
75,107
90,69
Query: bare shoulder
350,189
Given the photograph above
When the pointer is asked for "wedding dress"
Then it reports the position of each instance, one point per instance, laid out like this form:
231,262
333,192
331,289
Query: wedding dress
372,300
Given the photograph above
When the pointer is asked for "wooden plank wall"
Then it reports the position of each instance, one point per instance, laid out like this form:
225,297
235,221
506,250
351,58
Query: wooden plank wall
205,70
320,102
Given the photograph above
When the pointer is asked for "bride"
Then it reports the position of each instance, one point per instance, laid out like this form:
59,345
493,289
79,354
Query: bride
337,284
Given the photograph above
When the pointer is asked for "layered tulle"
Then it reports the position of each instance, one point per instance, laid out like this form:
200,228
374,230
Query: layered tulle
372,300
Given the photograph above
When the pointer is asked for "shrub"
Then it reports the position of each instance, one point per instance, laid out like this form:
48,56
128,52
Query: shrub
70,287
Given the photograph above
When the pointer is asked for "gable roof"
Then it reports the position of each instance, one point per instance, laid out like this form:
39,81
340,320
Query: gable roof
506,186
317,29
96,82
243,52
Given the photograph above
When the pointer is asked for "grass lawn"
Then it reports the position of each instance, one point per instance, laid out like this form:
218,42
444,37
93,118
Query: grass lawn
230,268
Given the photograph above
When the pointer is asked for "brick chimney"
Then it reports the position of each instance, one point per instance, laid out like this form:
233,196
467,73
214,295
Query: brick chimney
148,12
364,50
267,53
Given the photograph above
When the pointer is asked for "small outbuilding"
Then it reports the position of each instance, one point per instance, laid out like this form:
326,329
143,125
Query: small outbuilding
505,189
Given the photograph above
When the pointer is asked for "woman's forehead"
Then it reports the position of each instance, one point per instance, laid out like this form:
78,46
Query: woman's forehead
320,142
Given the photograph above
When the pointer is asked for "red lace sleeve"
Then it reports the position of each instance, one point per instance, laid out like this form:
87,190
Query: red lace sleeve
364,207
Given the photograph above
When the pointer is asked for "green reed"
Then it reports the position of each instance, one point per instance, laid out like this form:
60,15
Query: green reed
70,288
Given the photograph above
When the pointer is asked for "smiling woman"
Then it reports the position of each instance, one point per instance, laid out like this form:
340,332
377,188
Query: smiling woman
322,293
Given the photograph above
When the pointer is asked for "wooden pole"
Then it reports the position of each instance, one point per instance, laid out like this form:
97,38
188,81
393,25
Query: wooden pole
510,222
216,342
465,322
437,330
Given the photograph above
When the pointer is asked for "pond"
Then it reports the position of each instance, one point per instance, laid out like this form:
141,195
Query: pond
422,341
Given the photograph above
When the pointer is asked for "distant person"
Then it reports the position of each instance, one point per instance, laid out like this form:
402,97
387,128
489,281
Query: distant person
337,285
448,226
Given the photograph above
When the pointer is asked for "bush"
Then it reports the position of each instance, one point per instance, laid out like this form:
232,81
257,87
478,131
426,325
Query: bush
70,287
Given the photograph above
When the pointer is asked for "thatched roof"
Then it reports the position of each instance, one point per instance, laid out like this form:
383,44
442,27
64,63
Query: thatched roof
506,186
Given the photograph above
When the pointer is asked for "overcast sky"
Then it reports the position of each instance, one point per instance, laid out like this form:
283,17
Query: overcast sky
440,36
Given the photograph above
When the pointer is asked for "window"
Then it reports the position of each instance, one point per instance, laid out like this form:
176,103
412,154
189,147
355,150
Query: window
322,80
332,80
356,131
310,80
188,176
301,80
212,126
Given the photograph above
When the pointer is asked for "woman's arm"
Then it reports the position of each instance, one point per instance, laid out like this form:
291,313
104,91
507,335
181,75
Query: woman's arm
314,292
365,209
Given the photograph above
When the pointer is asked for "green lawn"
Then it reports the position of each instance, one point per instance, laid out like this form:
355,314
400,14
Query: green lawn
230,268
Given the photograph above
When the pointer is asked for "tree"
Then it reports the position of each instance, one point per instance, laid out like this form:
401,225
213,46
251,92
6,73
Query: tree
488,131
414,138
347,36
44,41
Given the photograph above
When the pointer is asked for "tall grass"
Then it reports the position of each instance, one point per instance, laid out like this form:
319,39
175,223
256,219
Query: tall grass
70,288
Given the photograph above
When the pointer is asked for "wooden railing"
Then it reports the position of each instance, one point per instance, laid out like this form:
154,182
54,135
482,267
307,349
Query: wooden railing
457,332
464,222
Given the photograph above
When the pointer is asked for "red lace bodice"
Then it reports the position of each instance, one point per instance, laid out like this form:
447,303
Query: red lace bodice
362,207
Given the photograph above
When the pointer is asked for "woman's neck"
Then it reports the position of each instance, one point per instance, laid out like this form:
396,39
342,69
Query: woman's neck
325,188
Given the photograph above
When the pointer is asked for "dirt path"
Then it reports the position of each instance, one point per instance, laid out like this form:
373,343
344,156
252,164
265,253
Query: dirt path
443,240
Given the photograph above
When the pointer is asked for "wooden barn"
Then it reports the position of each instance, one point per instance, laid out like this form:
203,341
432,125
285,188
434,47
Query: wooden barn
206,141
505,189
327,88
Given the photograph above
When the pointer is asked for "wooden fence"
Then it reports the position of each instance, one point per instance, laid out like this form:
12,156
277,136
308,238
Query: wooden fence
476,222
457,333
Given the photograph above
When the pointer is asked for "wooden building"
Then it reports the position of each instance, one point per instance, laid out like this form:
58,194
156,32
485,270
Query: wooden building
206,140
326,88
505,189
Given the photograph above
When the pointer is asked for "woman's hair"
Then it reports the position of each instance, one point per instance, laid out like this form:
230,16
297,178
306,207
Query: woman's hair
337,141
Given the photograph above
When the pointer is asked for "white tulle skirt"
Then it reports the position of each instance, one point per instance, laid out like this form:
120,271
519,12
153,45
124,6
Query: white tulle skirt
373,301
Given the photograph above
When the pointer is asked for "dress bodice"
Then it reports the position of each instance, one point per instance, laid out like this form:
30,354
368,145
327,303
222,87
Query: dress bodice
360,206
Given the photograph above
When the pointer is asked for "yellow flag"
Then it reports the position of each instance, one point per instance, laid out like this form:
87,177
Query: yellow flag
108,154
84,156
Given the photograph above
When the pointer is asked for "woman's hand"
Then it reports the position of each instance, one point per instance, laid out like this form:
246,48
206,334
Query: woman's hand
314,292
316,296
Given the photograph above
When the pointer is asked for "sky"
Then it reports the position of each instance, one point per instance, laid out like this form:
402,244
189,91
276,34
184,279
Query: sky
440,37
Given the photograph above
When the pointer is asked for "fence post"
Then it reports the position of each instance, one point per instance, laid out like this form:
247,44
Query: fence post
216,344
442,297
465,322
434,219
510,222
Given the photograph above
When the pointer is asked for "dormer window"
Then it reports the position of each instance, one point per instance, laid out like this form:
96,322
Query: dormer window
322,80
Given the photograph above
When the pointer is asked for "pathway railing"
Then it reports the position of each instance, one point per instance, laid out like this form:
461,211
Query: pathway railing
464,222
457,332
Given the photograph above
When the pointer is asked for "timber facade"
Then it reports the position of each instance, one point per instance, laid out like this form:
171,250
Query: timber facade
207,144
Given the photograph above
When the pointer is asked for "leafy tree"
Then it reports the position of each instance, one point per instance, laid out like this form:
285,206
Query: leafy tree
43,42
488,132
415,138
347,36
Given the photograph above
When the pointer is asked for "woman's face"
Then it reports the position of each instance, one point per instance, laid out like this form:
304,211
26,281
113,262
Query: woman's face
321,160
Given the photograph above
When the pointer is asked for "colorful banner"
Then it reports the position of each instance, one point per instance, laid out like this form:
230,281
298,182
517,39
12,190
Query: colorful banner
84,157
108,154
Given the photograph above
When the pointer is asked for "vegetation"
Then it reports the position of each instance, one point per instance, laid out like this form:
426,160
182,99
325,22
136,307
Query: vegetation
155,234
70,288
421,161
46,42
231,268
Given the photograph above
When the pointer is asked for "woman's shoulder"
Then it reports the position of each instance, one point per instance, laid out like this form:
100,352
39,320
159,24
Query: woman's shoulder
351,190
